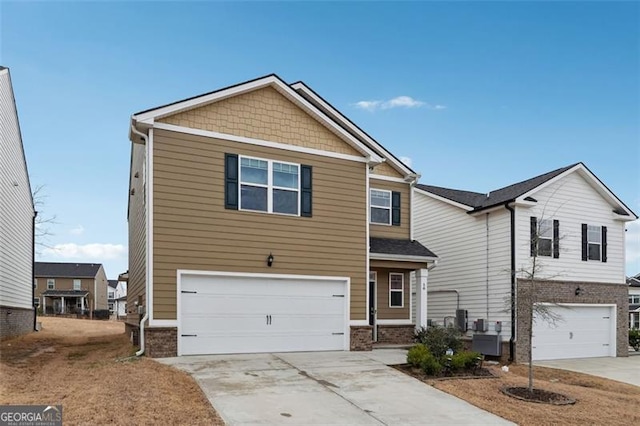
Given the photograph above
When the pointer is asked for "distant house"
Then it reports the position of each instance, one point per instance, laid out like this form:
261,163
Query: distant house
17,314
634,301
117,297
567,220
68,288
111,295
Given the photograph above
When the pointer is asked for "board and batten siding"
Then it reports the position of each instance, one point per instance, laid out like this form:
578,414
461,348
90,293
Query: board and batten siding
572,201
137,233
193,230
473,260
16,207
390,231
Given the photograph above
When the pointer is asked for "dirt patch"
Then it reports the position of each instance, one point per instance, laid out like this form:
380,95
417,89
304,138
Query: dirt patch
538,395
598,401
88,368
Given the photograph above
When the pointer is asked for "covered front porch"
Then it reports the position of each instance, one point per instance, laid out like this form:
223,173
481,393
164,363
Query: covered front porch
397,292
63,302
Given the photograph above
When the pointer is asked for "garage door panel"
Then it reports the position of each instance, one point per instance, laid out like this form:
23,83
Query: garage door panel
251,314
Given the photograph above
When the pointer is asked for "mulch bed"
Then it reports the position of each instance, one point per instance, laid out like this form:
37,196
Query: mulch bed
538,395
478,373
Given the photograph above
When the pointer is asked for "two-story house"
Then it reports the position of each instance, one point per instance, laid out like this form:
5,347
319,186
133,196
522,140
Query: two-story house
70,288
556,240
17,313
261,219
634,301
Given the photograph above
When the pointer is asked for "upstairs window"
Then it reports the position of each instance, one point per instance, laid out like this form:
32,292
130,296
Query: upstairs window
35,283
269,186
594,242
77,284
634,299
111,295
545,238
380,201
51,284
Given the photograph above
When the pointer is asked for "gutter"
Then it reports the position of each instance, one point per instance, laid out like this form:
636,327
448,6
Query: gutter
33,270
146,310
513,281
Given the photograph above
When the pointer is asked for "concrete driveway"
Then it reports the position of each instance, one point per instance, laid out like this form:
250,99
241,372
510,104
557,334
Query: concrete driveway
626,370
324,388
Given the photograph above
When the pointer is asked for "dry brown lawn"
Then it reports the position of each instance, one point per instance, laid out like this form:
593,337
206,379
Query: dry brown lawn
599,401
86,366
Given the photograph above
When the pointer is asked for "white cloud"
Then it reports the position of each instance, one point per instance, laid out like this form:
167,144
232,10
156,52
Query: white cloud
95,251
78,230
406,160
633,248
397,102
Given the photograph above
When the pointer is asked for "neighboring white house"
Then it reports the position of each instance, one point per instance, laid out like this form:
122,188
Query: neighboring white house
575,226
120,307
634,301
17,313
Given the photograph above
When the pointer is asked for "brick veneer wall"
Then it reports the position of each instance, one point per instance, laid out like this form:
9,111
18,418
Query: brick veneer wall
361,338
15,321
161,342
564,292
396,334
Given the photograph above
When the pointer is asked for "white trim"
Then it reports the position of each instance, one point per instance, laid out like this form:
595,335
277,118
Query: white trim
411,207
149,214
444,200
390,208
163,323
387,178
180,272
395,291
395,322
358,323
151,116
593,181
599,243
339,116
367,240
259,142
401,257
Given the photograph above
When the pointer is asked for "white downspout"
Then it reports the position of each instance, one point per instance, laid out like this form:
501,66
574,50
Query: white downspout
146,307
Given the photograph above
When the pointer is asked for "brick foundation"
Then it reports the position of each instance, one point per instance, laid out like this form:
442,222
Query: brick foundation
396,334
160,342
15,321
564,292
361,338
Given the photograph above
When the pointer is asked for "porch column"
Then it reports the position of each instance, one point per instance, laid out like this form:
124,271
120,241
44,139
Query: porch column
421,297
82,304
44,305
62,308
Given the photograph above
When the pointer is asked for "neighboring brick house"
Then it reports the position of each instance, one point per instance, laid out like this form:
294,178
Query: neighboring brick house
261,219
570,223
17,313
634,301
70,288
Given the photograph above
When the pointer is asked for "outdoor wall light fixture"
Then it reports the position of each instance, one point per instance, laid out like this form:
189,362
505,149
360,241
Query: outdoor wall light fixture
579,291
270,260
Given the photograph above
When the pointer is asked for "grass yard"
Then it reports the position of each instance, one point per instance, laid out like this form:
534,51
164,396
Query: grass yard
599,401
86,367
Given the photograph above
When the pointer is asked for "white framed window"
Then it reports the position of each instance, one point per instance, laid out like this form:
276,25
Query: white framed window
634,299
380,202
594,242
269,186
545,237
110,295
36,302
51,284
396,290
35,283
111,308
77,284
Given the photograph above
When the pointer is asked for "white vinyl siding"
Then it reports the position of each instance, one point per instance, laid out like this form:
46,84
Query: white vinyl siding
572,201
16,209
469,263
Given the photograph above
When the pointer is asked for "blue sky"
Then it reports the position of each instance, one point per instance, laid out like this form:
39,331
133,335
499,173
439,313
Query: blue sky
495,92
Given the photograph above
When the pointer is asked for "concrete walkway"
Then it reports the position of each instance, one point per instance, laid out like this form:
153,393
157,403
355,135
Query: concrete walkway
324,388
626,370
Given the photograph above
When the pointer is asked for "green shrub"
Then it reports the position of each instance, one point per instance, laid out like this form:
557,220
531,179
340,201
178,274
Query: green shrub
430,365
417,354
634,338
464,360
438,339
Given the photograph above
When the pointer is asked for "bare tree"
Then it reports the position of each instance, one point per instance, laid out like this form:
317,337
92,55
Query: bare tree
43,222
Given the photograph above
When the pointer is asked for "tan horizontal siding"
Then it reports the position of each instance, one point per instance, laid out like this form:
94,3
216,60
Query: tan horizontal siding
193,230
382,295
136,287
389,231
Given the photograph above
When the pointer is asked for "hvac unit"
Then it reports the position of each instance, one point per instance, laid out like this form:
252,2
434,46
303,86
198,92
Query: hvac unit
461,319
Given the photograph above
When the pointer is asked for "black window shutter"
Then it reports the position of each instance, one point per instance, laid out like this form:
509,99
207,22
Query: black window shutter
534,235
395,208
306,204
604,243
231,181
556,239
585,246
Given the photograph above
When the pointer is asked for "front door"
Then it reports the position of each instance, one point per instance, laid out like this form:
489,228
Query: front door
57,306
372,306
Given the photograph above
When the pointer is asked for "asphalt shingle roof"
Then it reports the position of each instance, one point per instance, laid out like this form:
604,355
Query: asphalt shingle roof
112,283
66,293
66,270
479,201
633,281
396,246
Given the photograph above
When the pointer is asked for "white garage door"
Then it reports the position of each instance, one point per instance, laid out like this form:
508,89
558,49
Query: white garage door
582,332
230,314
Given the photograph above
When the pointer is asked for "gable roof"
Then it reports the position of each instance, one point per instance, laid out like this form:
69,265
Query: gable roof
633,281
66,270
147,117
112,283
478,201
400,247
